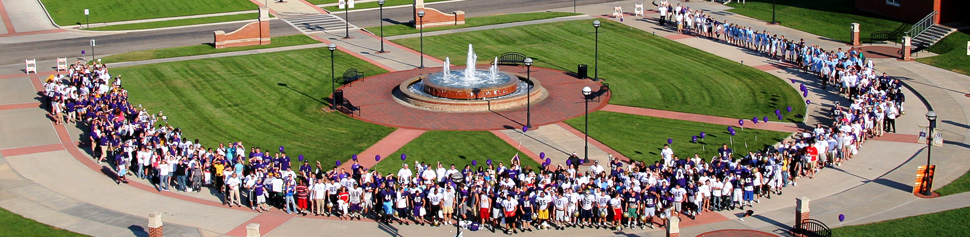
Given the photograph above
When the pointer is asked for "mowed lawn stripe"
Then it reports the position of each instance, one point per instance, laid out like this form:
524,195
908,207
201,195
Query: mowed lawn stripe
239,99
643,70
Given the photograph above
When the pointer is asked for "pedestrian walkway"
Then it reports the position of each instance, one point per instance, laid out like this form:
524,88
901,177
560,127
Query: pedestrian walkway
319,23
383,148
285,9
365,46
773,126
21,16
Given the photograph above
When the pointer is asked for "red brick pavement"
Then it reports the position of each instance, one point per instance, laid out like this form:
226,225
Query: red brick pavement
378,105
267,222
31,150
896,137
775,66
736,232
773,126
881,51
20,106
389,144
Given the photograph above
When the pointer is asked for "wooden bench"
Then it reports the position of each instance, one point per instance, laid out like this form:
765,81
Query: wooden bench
511,58
879,36
351,75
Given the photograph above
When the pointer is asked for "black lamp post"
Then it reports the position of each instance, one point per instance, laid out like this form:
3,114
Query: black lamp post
381,4
347,20
421,20
458,179
586,92
773,12
927,181
596,68
528,93
333,88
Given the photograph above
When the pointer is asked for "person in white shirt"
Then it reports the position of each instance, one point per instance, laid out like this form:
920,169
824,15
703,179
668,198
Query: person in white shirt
667,155
440,173
596,168
319,195
233,196
404,175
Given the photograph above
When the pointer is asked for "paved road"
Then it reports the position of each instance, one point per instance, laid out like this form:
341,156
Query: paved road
42,48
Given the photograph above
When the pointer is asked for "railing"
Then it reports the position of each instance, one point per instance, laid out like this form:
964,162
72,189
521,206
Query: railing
922,25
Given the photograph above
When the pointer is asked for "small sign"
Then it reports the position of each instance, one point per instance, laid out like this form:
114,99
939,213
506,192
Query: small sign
937,137
923,133
87,12
341,4
350,3
92,43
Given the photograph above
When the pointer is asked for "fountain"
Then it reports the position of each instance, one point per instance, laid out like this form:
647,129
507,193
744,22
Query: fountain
493,88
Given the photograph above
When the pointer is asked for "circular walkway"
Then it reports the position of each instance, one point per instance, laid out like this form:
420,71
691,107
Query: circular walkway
373,95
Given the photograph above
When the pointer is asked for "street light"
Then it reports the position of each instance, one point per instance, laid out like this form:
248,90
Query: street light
458,179
773,12
596,68
586,92
381,4
347,20
528,93
421,19
927,181
333,88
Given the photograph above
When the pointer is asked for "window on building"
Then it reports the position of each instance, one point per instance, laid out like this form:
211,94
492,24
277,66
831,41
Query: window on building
893,2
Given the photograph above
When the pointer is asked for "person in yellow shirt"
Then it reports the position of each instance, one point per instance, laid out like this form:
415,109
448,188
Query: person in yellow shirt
218,167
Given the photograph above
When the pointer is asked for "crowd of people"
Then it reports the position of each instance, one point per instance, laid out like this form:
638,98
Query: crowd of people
513,198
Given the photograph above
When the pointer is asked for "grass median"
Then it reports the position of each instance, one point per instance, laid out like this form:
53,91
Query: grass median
12,224
403,29
952,54
453,147
641,138
827,18
181,22
71,12
265,100
643,70
366,5
279,41
945,223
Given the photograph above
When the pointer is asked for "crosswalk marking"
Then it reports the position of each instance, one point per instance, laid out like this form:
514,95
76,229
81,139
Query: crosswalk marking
318,23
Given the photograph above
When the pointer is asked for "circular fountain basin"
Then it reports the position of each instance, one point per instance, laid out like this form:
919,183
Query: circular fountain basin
503,95
451,87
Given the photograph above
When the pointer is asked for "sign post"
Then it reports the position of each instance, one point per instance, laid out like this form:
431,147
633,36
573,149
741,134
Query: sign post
92,50
87,17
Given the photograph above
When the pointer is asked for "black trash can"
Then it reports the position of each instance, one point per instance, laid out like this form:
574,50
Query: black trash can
338,97
581,72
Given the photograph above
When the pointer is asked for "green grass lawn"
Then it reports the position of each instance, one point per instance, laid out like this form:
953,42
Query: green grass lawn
953,56
643,70
403,29
71,12
641,138
241,99
827,18
279,41
365,5
12,224
961,184
453,147
182,22
945,223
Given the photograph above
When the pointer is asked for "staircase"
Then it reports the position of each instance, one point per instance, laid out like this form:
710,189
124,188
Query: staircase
929,37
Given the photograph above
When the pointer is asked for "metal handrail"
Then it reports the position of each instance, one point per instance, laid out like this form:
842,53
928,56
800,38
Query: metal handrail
922,25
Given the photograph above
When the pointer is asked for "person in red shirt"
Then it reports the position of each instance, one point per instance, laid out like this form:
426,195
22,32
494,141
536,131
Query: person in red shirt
343,203
301,197
813,160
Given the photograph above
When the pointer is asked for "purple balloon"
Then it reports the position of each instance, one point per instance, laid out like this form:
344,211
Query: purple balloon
404,156
281,148
670,141
693,138
755,120
788,108
841,217
732,133
805,94
548,161
338,163
803,88
525,128
765,119
542,155
569,162
301,157
354,157
808,102
703,134
730,128
82,52
474,163
792,80
780,117
741,122
489,161
377,158
777,111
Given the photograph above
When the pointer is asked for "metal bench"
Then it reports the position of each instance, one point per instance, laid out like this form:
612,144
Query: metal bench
351,75
511,58
882,36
